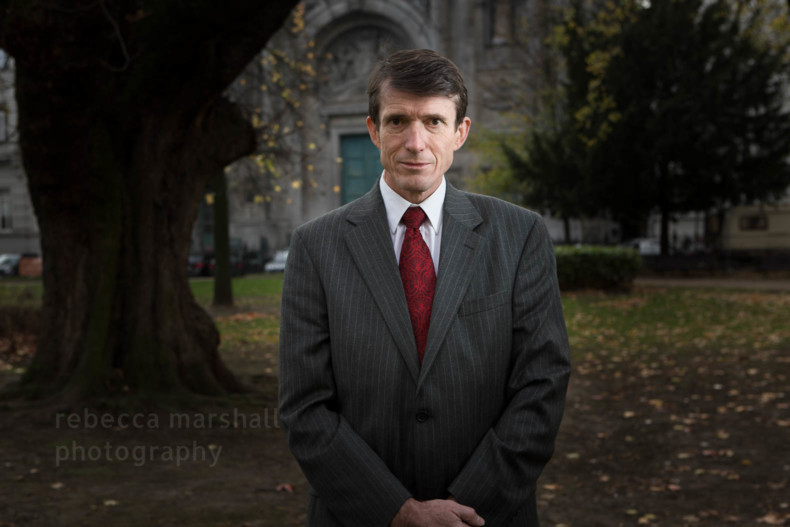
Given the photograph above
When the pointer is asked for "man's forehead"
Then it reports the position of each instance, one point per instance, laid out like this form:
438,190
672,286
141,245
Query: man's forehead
395,101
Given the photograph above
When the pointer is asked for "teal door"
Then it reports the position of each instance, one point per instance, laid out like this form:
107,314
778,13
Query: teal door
361,165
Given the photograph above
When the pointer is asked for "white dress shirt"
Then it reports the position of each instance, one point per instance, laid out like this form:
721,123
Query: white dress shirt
431,229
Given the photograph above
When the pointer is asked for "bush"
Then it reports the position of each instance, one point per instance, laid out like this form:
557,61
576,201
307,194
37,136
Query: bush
596,267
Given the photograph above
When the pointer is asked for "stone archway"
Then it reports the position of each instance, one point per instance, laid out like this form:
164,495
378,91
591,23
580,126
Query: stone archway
344,39
350,57
348,49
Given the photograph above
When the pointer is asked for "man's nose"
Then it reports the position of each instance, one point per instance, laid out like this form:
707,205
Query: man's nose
415,140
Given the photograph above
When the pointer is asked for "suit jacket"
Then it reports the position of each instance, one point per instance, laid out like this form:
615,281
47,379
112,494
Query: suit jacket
368,424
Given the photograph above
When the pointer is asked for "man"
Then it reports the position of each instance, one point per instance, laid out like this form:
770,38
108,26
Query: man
423,352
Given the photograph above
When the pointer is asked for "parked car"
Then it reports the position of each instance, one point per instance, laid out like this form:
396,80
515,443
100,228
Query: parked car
253,263
203,265
645,246
237,265
199,265
277,264
9,264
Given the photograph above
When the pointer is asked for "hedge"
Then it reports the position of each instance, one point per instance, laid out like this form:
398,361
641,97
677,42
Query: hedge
596,267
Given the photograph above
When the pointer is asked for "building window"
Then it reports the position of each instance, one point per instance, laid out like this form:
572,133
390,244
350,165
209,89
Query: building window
6,222
500,22
753,222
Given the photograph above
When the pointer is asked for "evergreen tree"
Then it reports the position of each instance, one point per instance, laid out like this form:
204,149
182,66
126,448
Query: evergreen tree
693,113
549,168
672,107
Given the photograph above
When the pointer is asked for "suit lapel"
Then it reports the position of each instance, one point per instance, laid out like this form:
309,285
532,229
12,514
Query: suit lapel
457,260
370,244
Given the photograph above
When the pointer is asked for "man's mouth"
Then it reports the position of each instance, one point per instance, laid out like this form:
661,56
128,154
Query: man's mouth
414,164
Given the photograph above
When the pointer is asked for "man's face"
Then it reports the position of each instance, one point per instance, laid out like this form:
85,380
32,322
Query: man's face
417,136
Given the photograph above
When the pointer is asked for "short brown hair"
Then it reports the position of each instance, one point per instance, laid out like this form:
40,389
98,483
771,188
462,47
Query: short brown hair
418,72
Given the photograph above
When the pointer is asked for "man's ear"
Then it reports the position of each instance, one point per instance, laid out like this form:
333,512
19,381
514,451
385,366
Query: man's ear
462,132
374,132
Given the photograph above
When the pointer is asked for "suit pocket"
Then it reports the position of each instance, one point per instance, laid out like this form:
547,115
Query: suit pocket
476,305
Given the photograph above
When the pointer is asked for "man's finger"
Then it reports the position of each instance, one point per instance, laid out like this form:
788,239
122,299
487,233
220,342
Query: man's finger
469,516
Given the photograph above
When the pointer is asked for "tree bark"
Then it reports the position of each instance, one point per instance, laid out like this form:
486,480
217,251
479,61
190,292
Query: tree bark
663,206
121,125
665,248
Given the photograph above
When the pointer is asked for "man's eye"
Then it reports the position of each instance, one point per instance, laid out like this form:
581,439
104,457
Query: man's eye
435,122
395,121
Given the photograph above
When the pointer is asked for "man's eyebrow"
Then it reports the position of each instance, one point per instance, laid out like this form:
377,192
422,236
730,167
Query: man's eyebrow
390,116
405,117
432,116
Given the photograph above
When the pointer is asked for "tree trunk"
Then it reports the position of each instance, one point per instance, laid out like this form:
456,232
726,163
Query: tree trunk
121,125
664,231
223,284
663,206
119,314
566,224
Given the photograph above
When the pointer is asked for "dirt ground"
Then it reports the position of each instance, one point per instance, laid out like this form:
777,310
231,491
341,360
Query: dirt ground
666,438
673,440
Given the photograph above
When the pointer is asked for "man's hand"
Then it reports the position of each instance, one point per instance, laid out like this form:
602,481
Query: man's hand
435,513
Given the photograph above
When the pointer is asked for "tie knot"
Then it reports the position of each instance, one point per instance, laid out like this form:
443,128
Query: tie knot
413,217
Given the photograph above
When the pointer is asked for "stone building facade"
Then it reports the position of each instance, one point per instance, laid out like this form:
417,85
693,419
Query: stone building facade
333,160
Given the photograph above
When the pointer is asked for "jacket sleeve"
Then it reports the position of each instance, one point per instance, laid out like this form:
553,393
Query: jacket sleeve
501,474
345,472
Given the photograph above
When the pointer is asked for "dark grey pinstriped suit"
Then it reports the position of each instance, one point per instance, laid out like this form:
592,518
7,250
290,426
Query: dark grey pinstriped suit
371,427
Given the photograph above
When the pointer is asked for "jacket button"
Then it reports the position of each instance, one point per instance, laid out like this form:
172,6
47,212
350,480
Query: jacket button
423,415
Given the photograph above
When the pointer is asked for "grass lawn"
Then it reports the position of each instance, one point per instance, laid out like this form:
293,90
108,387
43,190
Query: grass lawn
680,319
677,414
255,289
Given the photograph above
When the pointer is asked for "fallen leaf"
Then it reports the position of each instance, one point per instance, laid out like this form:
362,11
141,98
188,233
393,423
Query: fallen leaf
772,519
647,518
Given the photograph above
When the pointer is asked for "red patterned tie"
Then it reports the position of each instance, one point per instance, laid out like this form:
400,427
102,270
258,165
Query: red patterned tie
418,276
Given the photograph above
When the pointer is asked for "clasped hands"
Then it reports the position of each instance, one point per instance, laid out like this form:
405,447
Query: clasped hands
436,513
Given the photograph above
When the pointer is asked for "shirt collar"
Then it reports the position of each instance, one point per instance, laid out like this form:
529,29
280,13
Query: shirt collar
396,205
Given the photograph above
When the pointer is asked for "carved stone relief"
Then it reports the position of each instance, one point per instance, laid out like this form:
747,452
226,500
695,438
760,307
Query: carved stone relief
349,59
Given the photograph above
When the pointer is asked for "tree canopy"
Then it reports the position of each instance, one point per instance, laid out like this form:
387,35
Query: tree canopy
667,106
